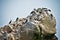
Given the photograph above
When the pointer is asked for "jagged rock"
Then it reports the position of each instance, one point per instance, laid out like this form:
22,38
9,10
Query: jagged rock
39,25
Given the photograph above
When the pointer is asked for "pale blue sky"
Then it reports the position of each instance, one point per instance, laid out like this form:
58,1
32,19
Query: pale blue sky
11,9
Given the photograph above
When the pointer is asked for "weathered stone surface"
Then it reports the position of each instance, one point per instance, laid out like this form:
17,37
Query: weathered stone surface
39,25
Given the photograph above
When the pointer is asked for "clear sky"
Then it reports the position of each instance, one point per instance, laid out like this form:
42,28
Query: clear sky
11,9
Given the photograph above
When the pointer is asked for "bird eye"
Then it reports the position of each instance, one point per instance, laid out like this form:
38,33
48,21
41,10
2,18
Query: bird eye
40,12
49,10
51,15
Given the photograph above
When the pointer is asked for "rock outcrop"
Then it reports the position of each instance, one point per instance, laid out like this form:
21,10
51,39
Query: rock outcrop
39,25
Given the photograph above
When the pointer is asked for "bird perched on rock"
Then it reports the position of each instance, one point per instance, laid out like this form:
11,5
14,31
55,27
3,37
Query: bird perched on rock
39,25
